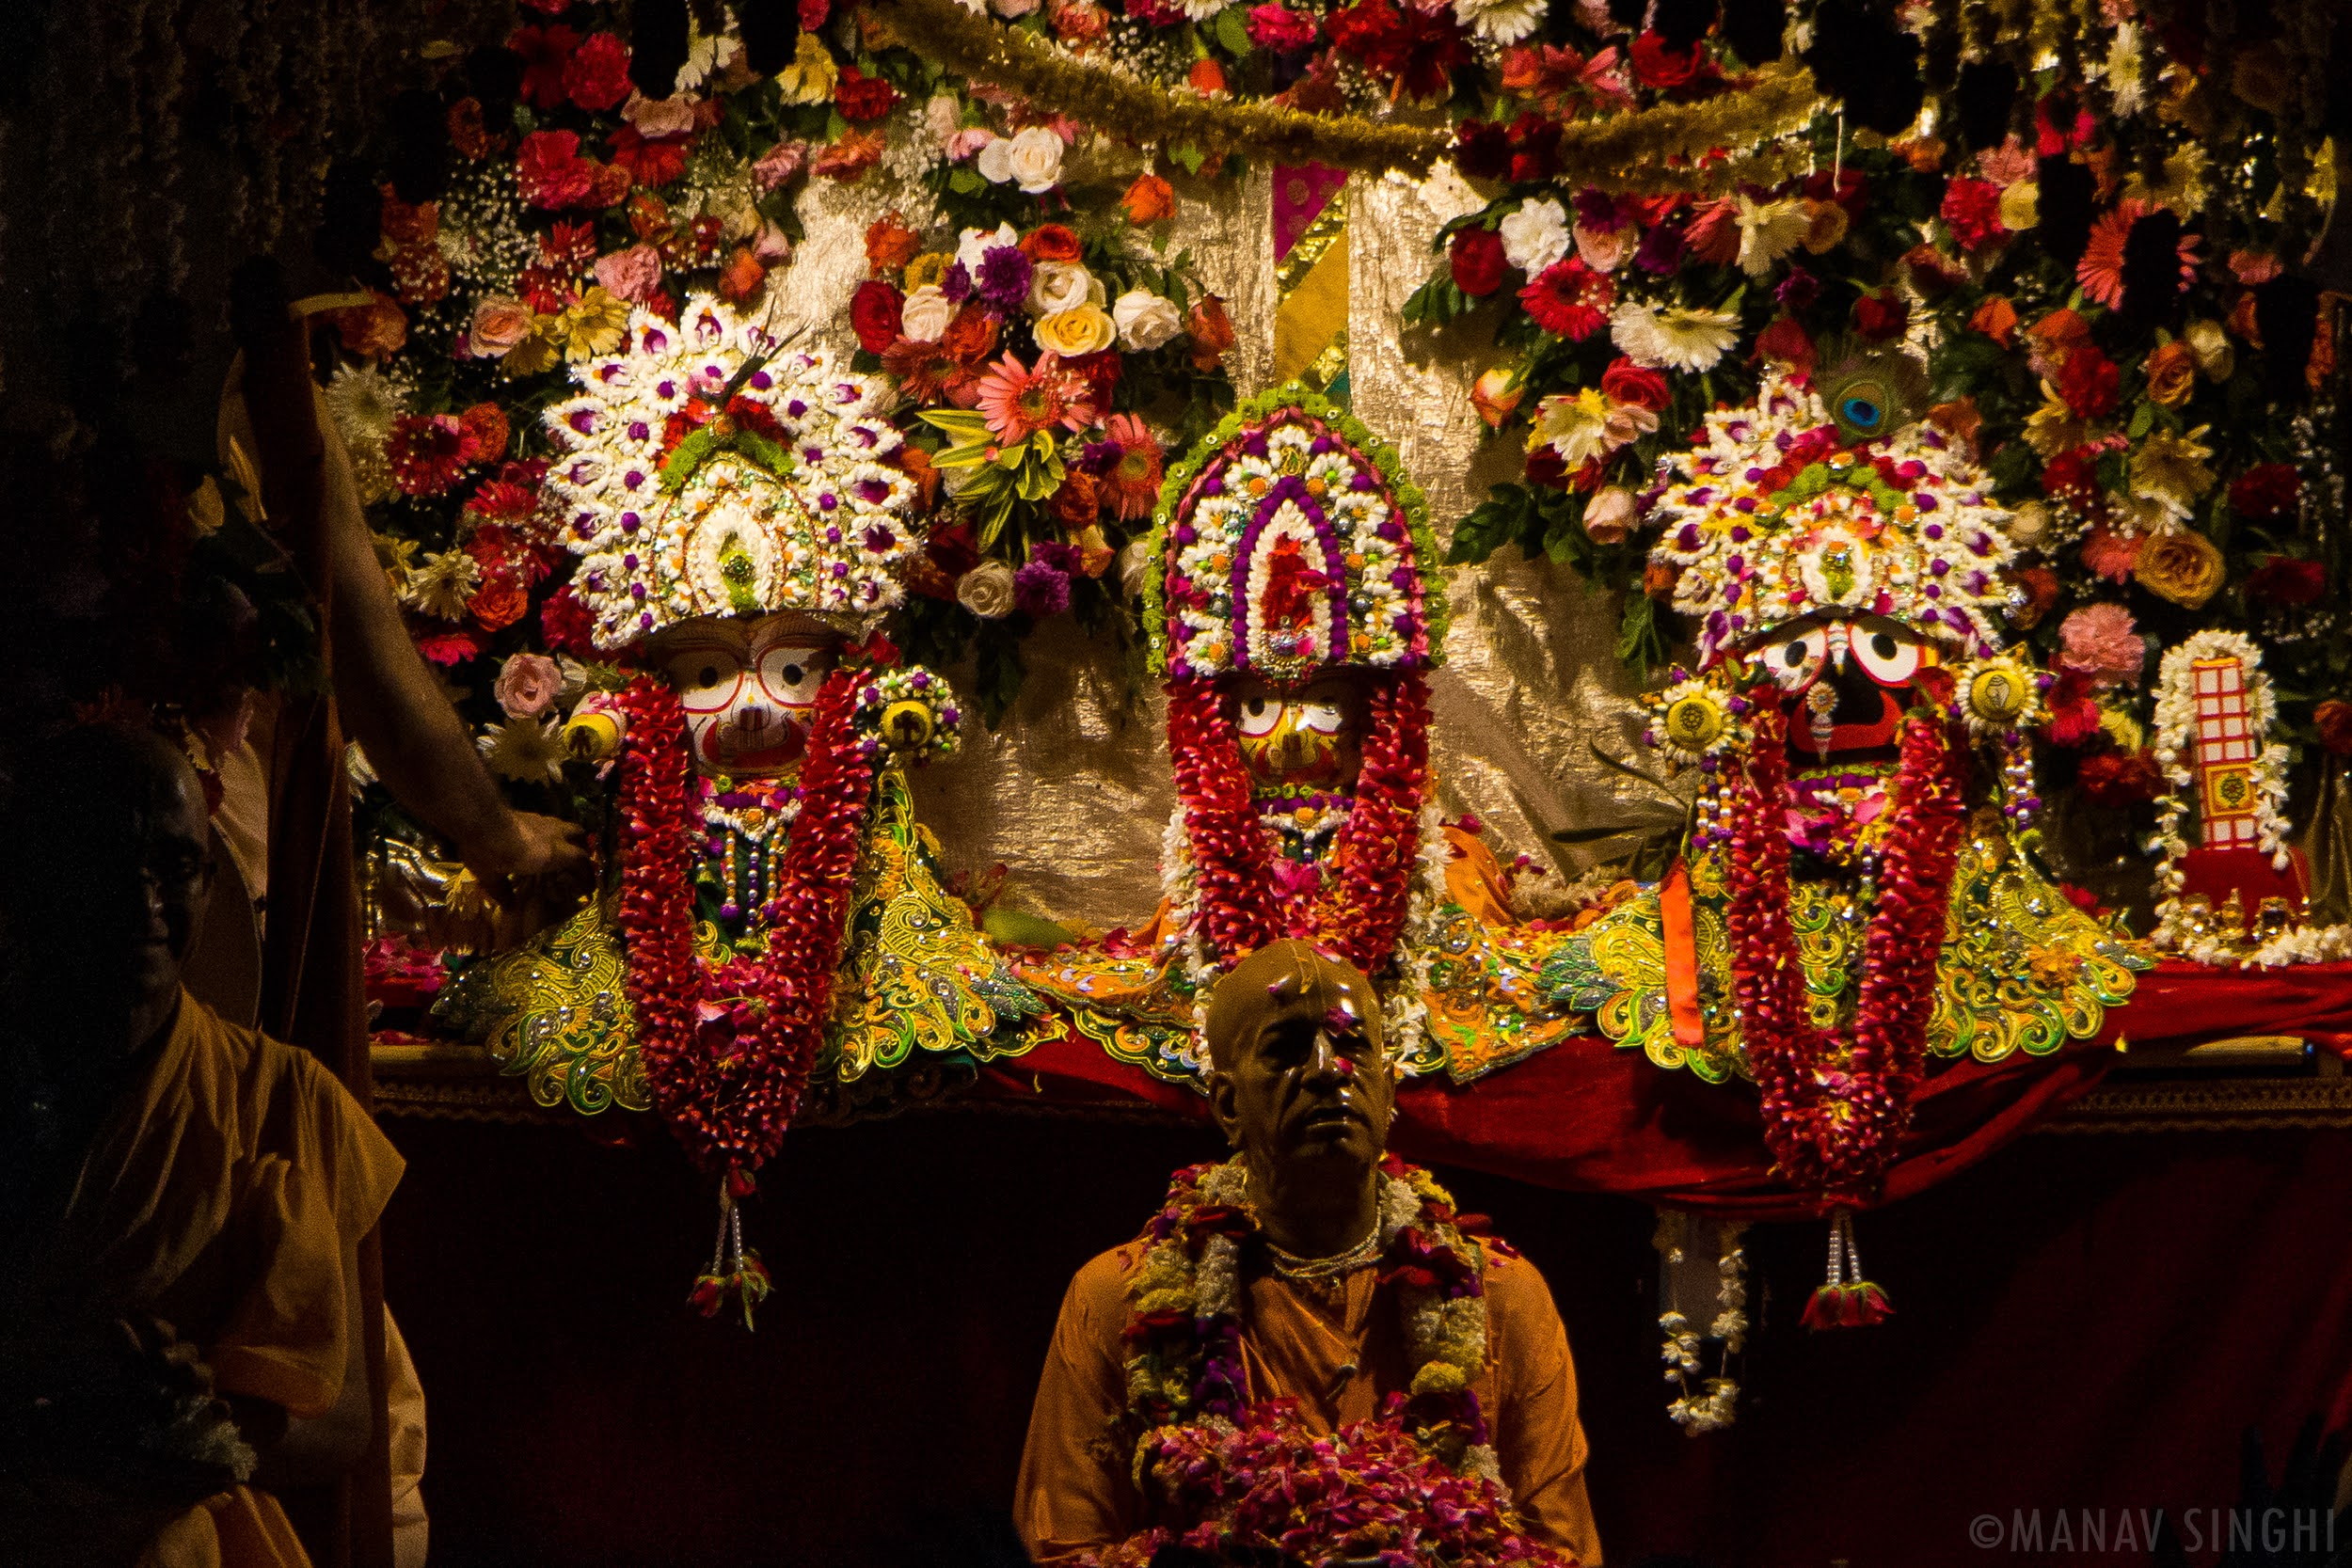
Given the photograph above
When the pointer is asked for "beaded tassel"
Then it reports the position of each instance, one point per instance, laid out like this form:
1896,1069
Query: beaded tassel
1846,1299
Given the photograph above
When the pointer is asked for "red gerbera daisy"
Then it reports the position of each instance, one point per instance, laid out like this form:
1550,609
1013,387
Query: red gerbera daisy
1569,299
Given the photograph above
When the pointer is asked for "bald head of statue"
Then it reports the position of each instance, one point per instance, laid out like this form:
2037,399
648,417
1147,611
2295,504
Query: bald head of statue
1298,1082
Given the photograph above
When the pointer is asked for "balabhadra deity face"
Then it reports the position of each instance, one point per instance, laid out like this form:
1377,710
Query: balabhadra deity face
748,689
1304,737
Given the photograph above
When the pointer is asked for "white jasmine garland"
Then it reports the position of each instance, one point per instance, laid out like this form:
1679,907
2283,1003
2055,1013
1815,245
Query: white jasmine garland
1535,235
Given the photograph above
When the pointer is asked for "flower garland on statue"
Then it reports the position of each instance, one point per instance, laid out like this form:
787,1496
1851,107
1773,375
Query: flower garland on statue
729,1046
1833,1111
2176,731
1217,1460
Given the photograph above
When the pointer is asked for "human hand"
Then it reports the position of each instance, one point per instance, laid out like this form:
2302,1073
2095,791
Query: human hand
541,860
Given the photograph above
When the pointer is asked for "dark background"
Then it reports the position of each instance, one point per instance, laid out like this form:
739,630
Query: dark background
2085,1322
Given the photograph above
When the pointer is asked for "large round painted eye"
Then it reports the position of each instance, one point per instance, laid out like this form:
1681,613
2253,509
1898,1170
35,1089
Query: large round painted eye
1259,715
1887,658
790,676
705,679
1796,660
1322,717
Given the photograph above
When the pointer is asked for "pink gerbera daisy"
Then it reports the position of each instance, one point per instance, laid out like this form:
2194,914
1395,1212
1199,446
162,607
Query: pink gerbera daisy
1019,402
1134,476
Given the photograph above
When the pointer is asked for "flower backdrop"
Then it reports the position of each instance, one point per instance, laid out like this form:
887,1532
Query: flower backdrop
2088,224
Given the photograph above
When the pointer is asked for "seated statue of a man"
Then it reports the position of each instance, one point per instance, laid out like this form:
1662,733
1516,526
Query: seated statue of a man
1304,1351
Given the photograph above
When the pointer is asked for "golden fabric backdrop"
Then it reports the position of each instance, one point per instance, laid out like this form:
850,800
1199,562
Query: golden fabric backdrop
1072,794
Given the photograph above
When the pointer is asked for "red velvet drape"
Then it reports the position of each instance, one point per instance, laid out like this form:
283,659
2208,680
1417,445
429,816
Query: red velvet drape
1587,1116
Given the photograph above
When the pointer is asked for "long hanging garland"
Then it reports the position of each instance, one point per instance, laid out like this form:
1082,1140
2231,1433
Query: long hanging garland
729,1046
1834,1112
1358,911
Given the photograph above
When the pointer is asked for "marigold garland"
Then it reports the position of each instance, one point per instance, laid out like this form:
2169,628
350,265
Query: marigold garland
1833,1114
1650,151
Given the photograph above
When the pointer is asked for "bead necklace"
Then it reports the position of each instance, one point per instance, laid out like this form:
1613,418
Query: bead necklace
1308,1270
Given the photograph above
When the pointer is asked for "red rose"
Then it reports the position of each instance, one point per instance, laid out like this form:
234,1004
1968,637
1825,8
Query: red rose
1972,210
1544,467
655,162
1535,147
1476,258
860,97
874,314
550,172
1365,27
2264,491
1625,382
2115,780
1657,66
2090,383
2283,580
2072,478
2333,719
1482,151
596,76
544,52
1051,242
1882,315
1785,342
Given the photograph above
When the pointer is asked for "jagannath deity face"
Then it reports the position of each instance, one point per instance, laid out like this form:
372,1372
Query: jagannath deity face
1305,738
1845,682
749,689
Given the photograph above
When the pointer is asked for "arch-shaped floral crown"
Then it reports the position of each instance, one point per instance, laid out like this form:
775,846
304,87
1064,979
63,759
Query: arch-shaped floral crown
1774,514
703,470
1289,542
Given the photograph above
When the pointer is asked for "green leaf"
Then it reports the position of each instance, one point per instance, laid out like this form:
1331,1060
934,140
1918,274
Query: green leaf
1189,158
965,423
1492,524
965,182
1639,644
2143,417
1232,30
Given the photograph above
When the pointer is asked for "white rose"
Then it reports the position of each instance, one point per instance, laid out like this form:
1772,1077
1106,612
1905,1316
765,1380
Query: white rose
942,116
1535,236
974,243
986,589
1145,320
1058,286
996,162
1033,161
925,316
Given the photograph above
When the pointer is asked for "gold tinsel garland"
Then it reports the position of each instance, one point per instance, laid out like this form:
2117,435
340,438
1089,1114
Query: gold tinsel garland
1643,150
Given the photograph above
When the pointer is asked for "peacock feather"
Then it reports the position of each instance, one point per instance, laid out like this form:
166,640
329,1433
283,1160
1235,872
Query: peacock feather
1872,390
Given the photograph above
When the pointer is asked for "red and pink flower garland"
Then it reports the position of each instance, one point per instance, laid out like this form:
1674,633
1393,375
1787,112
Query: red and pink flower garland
728,1048
1832,1125
1359,911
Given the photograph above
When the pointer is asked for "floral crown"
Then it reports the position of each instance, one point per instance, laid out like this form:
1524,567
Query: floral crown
1775,514
704,471
1290,540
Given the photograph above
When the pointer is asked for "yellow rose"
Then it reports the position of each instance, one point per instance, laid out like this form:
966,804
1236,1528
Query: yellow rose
2210,342
2182,565
2171,374
1080,329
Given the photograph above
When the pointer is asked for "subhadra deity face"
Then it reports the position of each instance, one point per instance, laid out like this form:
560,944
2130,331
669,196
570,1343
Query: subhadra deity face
1846,682
749,689
1305,738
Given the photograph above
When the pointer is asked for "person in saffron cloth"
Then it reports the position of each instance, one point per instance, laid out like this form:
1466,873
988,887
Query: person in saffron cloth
1311,1285
182,1200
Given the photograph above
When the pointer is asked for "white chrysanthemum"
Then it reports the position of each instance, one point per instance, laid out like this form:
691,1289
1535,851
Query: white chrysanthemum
1575,425
1535,235
364,401
1500,21
1674,339
528,751
443,584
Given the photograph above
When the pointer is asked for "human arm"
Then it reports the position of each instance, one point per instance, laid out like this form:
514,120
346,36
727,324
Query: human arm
414,738
1073,1494
1539,1440
312,1450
